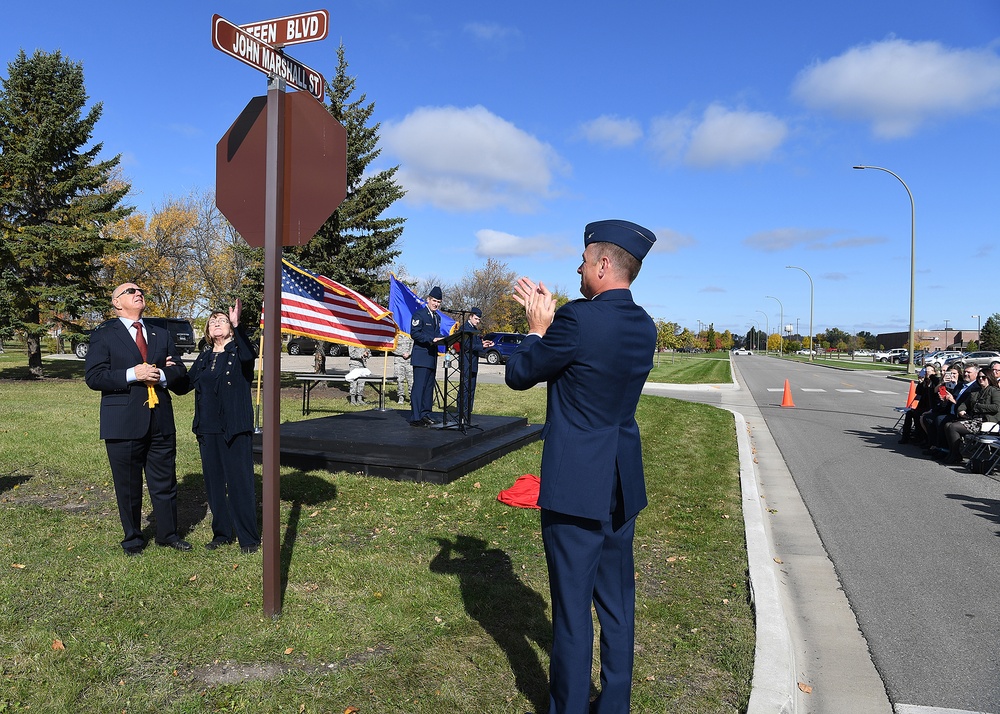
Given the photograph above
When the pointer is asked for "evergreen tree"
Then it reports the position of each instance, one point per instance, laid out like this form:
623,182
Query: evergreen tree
56,198
989,336
356,244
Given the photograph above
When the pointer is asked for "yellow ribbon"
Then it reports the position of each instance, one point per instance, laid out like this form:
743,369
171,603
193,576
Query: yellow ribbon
153,399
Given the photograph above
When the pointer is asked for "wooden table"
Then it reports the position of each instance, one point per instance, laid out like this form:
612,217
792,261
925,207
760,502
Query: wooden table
310,380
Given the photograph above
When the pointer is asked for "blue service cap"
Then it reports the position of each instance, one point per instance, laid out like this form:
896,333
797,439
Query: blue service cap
436,293
632,237
477,312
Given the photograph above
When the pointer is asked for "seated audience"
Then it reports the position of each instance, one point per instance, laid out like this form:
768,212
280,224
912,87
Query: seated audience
926,390
983,405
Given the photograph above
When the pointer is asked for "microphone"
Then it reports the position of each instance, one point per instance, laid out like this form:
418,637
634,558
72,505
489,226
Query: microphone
452,310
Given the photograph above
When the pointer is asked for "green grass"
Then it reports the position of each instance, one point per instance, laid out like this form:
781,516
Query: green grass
397,597
685,368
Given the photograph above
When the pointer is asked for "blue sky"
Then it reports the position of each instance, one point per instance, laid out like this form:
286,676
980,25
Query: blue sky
728,128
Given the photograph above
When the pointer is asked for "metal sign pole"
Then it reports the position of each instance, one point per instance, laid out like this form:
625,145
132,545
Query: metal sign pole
273,226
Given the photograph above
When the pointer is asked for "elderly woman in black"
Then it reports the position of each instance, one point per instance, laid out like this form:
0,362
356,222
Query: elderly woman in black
223,421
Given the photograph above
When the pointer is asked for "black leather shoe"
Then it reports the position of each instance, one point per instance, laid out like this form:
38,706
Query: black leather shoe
176,545
429,421
419,422
248,549
218,543
133,550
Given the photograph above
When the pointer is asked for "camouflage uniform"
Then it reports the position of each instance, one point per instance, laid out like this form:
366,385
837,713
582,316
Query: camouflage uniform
402,366
357,358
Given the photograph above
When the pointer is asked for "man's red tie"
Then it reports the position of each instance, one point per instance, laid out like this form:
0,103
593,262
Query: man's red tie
140,340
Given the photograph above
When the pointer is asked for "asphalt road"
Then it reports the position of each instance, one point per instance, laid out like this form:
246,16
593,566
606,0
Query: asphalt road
915,543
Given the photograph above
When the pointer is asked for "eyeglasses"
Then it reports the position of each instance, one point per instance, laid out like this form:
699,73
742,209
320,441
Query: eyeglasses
983,379
128,291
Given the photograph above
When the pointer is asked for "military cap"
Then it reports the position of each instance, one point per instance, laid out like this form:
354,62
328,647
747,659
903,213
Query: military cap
477,312
436,293
632,237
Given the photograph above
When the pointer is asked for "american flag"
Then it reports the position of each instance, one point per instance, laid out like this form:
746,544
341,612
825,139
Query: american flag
315,306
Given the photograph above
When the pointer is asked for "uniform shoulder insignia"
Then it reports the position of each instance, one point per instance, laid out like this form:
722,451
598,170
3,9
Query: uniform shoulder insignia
415,321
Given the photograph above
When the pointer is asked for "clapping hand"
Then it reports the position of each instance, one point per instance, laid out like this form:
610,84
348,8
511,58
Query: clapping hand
539,304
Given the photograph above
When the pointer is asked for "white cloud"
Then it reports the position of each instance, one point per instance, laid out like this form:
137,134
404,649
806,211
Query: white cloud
898,85
497,244
670,241
722,137
469,160
669,135
733,138
611,131
786,238
491,31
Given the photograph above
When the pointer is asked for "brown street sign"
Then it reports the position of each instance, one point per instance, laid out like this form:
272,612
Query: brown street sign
238,43
291,30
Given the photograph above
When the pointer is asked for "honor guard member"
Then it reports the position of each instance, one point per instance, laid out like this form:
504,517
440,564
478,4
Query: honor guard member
402,367
425,329
476,345
595,355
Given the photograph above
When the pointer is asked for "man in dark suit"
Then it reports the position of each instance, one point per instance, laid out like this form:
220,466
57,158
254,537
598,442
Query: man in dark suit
471,340
127,361
595,355
425,329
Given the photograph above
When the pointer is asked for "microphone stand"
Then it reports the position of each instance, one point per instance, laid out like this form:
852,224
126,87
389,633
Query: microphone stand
464,399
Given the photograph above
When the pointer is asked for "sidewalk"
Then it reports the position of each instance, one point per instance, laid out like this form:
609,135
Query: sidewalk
810,654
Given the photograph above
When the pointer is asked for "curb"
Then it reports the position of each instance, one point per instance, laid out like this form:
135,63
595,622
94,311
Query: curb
774,680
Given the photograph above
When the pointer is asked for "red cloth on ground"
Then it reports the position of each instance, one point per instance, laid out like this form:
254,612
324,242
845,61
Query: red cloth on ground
523,494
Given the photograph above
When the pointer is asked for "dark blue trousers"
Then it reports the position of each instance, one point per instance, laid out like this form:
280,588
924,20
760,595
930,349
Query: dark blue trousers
590,563
156,455
229,485
422,395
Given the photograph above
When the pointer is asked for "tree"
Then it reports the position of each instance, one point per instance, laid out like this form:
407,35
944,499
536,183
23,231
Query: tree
667,335
835,336
726,340
710,338
866,340
163,258
490,288
56,198
989,336
356,244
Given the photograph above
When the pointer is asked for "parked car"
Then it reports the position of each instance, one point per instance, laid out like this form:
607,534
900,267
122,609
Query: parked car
897,355
862,353
742,351
181,329
980,359
806,352
504,344
300,345
938,359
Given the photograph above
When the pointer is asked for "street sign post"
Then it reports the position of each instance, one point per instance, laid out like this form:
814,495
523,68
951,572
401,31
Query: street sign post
279,210
237,42
291,30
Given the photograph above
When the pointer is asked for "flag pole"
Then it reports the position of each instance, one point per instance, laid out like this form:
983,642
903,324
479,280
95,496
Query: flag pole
260,372
385,366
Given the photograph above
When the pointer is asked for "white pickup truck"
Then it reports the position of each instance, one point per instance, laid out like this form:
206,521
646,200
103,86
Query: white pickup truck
897,355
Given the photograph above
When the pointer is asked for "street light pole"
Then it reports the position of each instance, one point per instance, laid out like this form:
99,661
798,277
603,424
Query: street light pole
979,328
947,345
781,324
913,254
812,348
767,328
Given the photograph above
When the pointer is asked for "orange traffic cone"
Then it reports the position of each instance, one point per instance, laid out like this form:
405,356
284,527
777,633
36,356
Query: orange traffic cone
912,395
786,399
